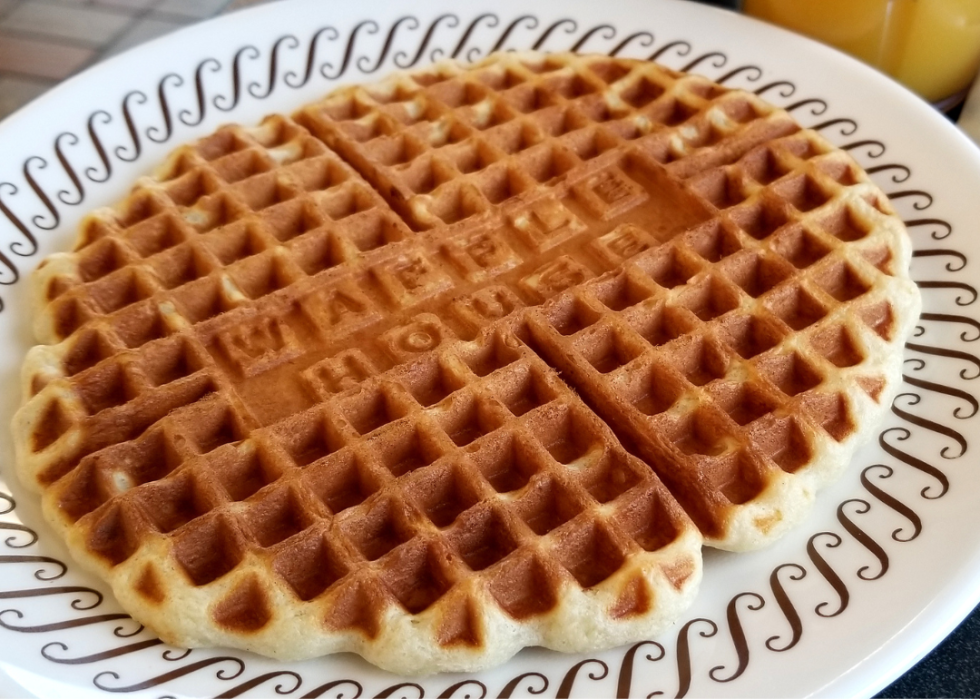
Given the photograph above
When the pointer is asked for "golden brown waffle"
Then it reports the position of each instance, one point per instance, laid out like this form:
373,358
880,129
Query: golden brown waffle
464,361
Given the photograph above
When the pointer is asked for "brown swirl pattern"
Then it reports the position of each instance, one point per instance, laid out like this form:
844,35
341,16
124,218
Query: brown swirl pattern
786,606
329,53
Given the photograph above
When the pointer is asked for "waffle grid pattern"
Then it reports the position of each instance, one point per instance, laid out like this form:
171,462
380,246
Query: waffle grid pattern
414,485
314,365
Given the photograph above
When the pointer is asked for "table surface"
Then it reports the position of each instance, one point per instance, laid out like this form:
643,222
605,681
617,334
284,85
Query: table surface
43,42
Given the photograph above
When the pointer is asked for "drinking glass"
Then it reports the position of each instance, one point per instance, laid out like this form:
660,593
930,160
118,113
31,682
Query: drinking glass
931,46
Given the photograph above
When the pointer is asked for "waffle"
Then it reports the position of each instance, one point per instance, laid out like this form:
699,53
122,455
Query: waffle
471,359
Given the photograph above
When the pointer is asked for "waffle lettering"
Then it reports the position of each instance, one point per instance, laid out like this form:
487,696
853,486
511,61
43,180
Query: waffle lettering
338,373
610,193
485,305
426,332
260,345
623,242
487,253
610,188
556,276
343,305
419,276
548,223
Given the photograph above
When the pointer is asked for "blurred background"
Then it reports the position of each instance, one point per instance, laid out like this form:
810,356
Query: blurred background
43,42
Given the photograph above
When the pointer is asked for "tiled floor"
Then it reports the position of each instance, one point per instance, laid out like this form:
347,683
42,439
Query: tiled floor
45,41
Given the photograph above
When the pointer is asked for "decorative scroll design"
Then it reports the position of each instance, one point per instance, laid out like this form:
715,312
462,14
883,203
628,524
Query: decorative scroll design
363,62
940,224
738,635
882,472
254,87
63,195
952,266
843,125
830,541
154,133
951,354
311,55
624,686
685,670
786,606
817,107
401,58
202,101
901,174
49,654
644,39
36,203
875,149
949,391
136,146
751,74
224,102
16,246
568,681
90,172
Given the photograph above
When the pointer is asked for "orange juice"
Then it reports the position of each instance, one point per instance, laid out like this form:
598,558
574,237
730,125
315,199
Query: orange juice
932,46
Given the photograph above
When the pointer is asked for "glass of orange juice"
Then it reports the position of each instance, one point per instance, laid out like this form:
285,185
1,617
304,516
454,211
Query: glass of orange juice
932,46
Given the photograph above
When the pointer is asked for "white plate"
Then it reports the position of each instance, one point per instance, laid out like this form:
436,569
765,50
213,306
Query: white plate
884,568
